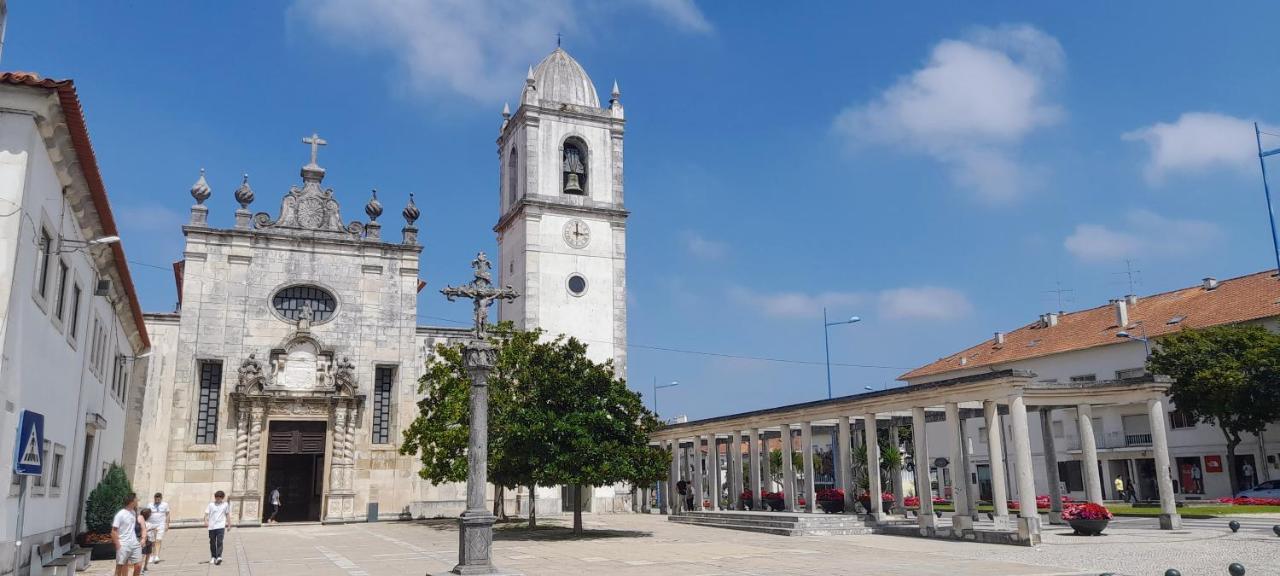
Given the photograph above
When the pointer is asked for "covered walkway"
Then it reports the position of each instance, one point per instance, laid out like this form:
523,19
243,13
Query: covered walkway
696,447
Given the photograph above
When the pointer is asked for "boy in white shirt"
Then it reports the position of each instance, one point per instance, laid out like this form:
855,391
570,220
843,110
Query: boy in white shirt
215,519
125,537
160,521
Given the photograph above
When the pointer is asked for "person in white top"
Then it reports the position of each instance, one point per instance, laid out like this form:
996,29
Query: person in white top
160,520
215,519
125,536
148,529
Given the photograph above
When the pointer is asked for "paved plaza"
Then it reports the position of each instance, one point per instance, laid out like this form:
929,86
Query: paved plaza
620,545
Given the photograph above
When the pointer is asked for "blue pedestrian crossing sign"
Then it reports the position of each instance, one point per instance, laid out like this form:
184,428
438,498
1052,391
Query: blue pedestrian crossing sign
28,458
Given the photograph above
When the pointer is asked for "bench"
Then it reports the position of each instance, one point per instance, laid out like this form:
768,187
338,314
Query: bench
82,555
50,566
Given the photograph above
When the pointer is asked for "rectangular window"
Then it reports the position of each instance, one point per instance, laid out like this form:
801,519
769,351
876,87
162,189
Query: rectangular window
1069,473
1057,429
210,393
60,300
42,262
1179,420
55,481
1130,373
1189,476
982,434
383,381
1085,378
120,379
38,481
74,322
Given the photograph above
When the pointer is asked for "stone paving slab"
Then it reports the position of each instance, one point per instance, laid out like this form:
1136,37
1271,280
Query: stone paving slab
626,545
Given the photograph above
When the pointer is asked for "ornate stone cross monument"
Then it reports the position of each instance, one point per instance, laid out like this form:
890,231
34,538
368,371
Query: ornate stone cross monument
316,142
475,526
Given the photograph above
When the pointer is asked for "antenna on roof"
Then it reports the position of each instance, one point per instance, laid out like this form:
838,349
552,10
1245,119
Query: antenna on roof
1065,295
1133,277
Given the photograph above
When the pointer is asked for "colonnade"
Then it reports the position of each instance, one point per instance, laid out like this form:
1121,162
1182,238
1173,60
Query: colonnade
697,448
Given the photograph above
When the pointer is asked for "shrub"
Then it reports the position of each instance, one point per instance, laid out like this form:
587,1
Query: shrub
106,499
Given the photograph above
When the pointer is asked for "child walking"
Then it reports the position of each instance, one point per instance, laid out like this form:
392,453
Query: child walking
215,519
149,533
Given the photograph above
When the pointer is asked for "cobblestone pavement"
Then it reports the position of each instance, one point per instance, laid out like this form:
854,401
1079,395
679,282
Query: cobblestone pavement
623,545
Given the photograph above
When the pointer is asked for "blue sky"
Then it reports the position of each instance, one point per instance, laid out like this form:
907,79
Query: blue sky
935,171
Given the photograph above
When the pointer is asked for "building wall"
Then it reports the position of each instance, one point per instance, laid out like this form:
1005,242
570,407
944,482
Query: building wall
46,366
1104,362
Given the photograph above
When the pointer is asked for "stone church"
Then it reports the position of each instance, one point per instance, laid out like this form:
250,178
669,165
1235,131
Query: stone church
293,359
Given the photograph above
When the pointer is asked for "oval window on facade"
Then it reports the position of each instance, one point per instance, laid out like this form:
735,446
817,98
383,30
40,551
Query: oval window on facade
289,303
577,285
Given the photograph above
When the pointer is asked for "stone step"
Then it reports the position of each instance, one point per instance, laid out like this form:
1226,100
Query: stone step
779,524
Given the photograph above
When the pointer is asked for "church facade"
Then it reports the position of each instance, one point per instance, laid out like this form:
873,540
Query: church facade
293,359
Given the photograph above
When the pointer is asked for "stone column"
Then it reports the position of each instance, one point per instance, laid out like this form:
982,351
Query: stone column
240,466
1089,454
873,469
806,439
788,472
717,481
735,469
960,520
995,453
753,452
895,479
1051,466
1028,518
699,474
844,473
1169,518
667,505
970,471
766,462
924,514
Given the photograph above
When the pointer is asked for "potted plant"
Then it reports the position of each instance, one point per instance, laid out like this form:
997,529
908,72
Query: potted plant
831,500
104,501
1087,519
886,502
775,500
746,499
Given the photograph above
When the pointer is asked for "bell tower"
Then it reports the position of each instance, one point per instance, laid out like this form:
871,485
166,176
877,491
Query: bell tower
562,228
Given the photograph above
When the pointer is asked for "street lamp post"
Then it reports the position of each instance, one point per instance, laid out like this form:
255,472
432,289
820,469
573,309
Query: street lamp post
656,388
826,342
1146,342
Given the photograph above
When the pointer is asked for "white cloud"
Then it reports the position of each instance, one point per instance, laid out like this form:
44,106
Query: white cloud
795,304
924,303
704,248
1144,233
683,13
1198,142
970,105
479,49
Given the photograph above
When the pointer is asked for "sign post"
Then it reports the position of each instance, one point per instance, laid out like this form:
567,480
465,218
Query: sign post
28,460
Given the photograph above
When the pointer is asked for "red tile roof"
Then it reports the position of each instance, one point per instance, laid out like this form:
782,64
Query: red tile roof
1240,299
70,103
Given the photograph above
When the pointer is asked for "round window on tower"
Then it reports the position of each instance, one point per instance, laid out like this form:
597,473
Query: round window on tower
290,302
577,285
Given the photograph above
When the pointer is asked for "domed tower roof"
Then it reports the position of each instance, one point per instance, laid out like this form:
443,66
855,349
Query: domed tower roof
560,78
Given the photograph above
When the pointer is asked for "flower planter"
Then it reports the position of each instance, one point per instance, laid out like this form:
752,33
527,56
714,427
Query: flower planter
775,504
102,551
885,505
831,506
1088,527
746,504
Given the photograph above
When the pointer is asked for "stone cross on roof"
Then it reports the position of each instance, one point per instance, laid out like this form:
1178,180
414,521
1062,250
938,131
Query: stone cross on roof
480,290
316,142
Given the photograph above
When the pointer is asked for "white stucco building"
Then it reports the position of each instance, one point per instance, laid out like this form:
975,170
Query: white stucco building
1082,347
70,324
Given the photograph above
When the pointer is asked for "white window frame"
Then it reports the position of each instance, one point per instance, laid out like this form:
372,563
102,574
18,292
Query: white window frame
43,257
40,483
56,464
73,321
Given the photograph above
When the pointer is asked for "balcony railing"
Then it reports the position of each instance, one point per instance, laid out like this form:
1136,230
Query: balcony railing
1137,439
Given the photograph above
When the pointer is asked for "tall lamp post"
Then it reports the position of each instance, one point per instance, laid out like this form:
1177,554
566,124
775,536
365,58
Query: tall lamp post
1146,342
475,525
656,388
826,341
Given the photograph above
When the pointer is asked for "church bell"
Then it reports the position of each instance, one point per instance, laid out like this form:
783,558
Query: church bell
571,186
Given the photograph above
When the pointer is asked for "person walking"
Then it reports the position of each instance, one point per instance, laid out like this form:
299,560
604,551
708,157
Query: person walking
215,520
160,520
1119,484
147,528
1197,479
275,504
125,536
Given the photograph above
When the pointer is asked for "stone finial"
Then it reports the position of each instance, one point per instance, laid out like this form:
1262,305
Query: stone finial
615,94
506,110
244,194
200,190
410,212
528,79
374,208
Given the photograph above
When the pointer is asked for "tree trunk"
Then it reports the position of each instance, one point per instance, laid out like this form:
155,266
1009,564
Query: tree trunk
1263,471
577,508
1233,440
499,507
533,506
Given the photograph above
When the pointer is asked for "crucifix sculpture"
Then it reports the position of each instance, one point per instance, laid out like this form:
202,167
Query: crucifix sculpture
475,525
316,142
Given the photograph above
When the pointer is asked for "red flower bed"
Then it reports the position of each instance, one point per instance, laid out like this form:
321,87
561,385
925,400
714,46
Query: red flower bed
1086,511
1042,502
831,494
914,501
1251,501
884,497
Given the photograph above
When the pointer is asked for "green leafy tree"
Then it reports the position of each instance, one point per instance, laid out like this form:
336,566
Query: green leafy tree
106,499
1227,376
585,427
